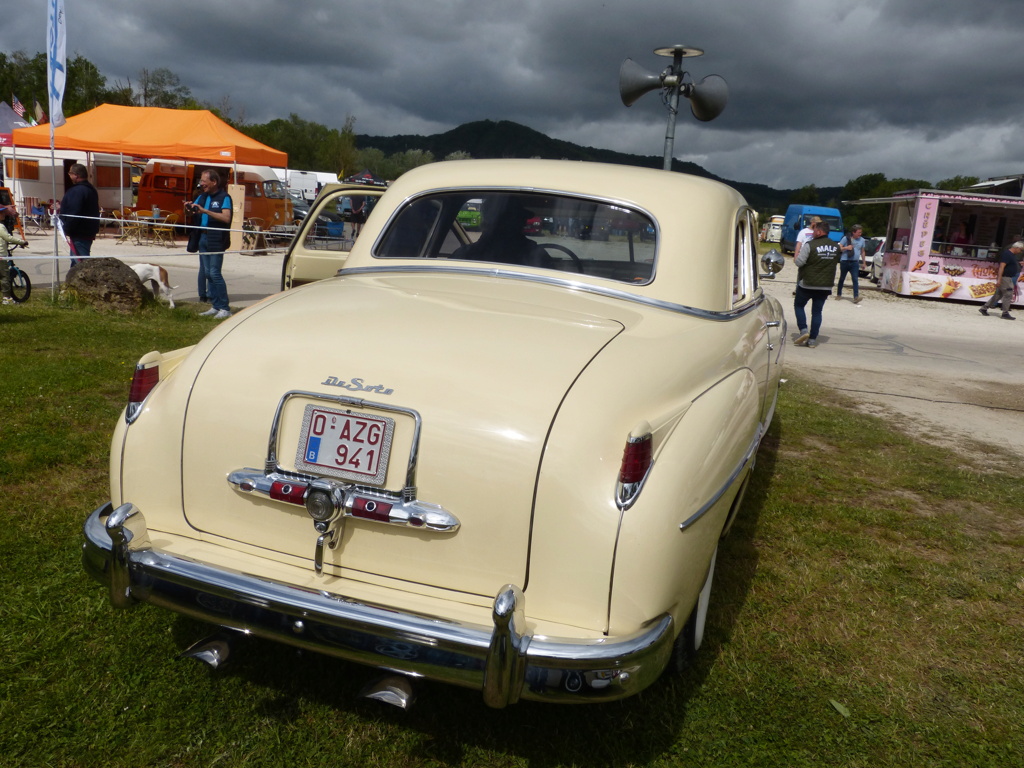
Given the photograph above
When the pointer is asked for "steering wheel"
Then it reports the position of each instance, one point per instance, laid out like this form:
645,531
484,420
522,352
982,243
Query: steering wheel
566,251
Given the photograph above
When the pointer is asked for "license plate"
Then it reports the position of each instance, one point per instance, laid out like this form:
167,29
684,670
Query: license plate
353,446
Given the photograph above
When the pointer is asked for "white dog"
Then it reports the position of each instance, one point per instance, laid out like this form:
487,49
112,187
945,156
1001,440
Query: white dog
156,276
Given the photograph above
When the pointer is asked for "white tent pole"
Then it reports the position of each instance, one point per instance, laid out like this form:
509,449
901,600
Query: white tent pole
53,196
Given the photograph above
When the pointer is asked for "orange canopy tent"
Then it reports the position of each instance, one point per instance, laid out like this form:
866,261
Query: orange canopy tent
153,132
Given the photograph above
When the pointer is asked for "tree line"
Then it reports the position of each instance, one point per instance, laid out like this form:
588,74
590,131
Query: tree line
873,217
310,146
316,147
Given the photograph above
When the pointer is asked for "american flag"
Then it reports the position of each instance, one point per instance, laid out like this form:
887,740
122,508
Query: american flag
17,106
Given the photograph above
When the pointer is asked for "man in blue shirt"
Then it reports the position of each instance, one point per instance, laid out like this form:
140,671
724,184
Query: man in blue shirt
851,248
214,207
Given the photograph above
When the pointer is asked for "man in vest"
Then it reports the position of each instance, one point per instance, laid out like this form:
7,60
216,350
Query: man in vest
213,209
816,274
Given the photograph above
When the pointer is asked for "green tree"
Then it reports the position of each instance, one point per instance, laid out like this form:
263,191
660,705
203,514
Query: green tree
874,217
162,88
805,196
24,77
86,88
339,150
958,183
310,146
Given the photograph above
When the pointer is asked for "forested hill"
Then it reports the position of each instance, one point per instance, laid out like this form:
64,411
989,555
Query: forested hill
489,139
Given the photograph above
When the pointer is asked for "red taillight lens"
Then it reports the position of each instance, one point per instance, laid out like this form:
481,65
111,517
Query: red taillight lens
636,459
143,381
293,493
371,510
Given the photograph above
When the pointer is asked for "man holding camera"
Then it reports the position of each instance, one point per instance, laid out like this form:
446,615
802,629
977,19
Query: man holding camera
213,208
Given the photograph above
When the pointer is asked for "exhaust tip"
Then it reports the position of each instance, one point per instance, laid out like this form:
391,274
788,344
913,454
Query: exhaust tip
396,690
213,651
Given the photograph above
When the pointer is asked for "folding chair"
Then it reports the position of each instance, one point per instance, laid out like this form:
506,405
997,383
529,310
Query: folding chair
37,218
163,233
118,222
132,231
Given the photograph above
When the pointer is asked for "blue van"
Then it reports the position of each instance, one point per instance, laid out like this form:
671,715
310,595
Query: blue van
798,216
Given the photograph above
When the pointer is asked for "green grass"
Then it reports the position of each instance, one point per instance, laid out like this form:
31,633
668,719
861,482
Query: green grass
867,611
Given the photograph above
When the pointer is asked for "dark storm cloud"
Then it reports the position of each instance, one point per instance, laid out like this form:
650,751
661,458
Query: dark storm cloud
821,91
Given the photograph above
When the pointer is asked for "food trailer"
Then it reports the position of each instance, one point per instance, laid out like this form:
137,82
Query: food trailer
946,245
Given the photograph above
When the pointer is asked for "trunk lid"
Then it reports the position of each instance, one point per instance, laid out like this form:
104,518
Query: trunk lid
484,363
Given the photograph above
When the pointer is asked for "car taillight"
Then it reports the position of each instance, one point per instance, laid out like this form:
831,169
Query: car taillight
293,493
147,376
636,458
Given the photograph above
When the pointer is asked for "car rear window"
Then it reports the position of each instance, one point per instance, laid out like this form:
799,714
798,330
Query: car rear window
530,229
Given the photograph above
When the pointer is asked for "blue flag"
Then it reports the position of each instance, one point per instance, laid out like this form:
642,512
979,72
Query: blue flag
56,53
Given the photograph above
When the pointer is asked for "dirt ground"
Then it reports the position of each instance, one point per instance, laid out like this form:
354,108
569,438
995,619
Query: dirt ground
936,369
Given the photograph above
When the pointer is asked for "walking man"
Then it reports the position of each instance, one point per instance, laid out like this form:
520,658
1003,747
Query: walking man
1006,280
852,249
816,274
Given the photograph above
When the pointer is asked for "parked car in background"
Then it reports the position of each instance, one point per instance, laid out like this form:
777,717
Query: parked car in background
489,460
871,260
469,215
300,209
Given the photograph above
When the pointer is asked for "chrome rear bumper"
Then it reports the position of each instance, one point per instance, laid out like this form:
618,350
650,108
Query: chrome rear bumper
500,659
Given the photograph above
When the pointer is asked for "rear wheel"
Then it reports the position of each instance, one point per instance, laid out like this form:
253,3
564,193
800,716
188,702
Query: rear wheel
692,636
21,286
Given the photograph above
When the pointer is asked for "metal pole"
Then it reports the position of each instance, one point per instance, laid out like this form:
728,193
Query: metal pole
673,106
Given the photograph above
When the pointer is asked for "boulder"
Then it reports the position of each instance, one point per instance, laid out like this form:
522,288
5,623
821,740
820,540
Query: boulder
105,283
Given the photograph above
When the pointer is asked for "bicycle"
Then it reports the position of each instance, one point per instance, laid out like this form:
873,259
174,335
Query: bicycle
21,286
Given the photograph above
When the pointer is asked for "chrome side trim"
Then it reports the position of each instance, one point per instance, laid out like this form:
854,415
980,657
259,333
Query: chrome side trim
502,659
598,290
740,467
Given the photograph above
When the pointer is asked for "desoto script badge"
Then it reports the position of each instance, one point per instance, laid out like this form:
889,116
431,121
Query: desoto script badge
357,385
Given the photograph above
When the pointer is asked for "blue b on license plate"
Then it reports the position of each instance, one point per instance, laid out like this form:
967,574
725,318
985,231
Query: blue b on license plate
353,446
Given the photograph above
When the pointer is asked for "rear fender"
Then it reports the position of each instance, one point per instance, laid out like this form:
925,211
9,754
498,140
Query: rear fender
666,539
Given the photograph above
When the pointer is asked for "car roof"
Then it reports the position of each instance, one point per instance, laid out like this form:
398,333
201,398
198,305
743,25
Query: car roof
696,217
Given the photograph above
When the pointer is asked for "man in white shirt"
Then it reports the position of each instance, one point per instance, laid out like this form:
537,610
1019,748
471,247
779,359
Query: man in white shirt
806,234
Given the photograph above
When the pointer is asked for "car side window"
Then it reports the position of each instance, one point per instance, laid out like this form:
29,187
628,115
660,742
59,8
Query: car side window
744,271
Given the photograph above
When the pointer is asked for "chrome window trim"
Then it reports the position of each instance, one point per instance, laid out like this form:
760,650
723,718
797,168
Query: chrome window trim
610,201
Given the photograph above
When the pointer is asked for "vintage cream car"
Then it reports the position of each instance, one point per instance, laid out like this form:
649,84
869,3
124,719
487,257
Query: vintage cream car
498,461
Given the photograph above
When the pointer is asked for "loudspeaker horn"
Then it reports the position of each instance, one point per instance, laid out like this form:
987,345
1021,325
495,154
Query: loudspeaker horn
635,81
708,97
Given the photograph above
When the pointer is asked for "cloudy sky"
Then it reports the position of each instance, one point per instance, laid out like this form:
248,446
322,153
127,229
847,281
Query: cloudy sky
820,91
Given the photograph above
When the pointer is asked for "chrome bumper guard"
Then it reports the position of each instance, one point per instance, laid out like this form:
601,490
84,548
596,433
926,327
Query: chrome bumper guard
501,660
